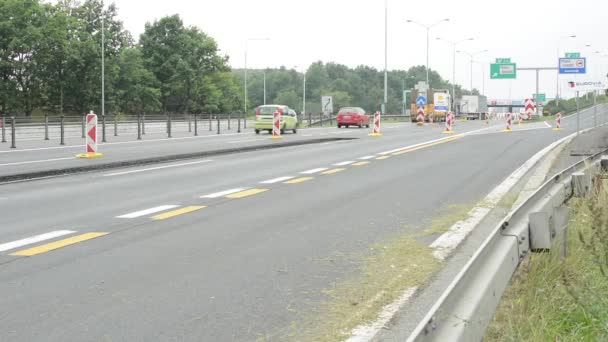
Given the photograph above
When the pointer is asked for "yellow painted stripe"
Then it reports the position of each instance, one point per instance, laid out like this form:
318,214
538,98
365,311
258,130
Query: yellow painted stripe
177,212
425,146
58,244
361,163
332,171
299,180
383,157
246,193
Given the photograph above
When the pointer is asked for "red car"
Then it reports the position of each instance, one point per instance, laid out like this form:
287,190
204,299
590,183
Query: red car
352,116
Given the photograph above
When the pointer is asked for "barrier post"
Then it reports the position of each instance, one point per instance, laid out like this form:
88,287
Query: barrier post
189,123
376,132
168,125
143,124
420,116
3,124
217,116
46,126
195,125
82,124
228,121
449,121
139,124
509,123
62,130
276,125
558,122
103,128
210,123
13,137
91,138
115,126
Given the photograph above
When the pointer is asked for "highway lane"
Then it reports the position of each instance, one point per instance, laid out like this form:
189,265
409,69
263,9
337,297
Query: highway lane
240,267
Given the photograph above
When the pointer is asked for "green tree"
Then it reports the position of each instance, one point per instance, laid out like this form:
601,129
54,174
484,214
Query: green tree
137,90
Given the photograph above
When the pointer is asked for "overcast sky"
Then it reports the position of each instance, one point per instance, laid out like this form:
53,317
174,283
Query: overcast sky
351,32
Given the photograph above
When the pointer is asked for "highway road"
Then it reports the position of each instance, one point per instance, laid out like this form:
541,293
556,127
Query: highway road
232,247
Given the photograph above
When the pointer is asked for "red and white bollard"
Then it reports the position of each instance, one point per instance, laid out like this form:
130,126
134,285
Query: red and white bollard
449,121
521,118
91,138
509,123
376,132
420,116
276,125
558,122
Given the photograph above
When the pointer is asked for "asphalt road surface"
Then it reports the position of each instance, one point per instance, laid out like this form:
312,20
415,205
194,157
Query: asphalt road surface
228,248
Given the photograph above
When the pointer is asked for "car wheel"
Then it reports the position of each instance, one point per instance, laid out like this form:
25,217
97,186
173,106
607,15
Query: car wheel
295,130
269,131
339,126
360,125
282,130
257,131
367,126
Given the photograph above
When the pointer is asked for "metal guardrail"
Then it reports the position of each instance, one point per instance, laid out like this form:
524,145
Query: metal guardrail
466,307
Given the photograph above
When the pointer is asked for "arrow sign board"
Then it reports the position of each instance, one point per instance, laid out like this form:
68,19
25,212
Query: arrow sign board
421,101
327,104
572,65
573,55
503,71
586,85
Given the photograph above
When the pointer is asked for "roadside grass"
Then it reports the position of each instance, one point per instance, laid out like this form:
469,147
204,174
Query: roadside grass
445,218
555,299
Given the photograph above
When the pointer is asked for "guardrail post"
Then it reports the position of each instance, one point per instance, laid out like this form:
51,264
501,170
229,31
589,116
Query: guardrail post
62,130
115,126
195,125
238,125
82,125
189,123
169,125
228,121
3,127
218,123
13,138
309,119
210,123
581,184
103,128
143,124
604,163
46,126
245,121
139,124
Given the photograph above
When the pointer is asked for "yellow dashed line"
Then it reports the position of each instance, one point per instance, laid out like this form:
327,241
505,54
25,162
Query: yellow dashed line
58,244
299,180
246,193
425,146
332,171
383,157
177,212
361,163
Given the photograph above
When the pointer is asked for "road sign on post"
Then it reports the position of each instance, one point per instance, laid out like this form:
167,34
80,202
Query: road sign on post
503,71
327,104
572,65
572,55
540,97
421,101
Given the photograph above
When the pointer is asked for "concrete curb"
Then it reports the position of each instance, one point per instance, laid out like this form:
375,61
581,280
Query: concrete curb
154,160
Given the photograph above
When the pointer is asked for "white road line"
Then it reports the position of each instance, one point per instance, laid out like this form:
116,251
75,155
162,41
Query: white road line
148,211
223,193
433,141
277,180
242,141
307,135
344,163
36,161
547,124
367,157
309,172
34,239
156,168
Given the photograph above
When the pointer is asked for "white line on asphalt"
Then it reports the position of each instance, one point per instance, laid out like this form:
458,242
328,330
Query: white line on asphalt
367,157
546,123
277,180
36,161
156,168
148,211
307,135
242,141
309,172
432,141
223,193
34,239
344,163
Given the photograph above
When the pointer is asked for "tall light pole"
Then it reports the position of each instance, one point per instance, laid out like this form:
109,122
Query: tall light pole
428,29
264,86
103,64
483,75
454,43
245,101
471,67
304,69
559,41
385,56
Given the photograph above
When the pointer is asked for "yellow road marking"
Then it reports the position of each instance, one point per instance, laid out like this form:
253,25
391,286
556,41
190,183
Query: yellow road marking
299,180
246,193
332,171
177,212
58,244
383,157
361,163
425,146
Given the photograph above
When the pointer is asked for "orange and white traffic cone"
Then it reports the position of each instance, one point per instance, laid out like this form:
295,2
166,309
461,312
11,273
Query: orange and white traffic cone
558,122
376,132
509,124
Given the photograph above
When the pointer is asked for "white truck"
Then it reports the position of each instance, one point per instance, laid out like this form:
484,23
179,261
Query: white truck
474,107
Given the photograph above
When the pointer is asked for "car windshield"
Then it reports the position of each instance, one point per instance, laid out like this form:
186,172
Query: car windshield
351,110
269,110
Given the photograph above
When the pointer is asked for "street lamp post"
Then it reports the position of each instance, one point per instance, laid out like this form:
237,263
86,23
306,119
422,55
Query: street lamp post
557,76
454,43
471,67
245,100
428,29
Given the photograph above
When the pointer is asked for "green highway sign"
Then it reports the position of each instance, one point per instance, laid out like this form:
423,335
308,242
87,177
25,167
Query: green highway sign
503,60
503,71
573,55
540,97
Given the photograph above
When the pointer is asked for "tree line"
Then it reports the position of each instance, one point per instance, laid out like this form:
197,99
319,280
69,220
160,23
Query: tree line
50,61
